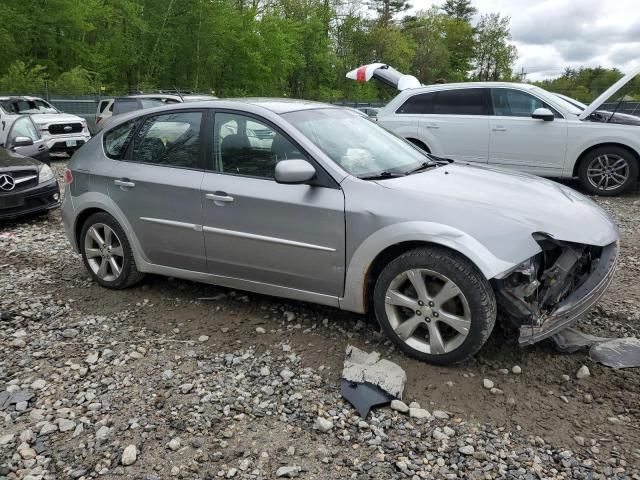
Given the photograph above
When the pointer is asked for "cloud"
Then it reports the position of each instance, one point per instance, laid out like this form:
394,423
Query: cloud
554,34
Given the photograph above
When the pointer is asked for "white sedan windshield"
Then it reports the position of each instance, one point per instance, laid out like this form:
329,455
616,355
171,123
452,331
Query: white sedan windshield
357,144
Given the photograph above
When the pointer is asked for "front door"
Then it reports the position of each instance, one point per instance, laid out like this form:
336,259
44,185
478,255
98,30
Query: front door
157,187
258,230
524,143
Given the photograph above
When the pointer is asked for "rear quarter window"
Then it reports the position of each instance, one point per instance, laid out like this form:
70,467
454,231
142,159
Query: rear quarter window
116,140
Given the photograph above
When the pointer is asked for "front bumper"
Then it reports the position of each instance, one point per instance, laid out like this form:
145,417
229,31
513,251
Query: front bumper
37,199
67,143
577,303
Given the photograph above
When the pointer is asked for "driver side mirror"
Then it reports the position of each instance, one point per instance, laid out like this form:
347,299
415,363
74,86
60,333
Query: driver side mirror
543,114
294,171
22,142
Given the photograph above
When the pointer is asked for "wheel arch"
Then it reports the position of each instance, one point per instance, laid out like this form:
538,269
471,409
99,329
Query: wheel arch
388,243
82,217
586,152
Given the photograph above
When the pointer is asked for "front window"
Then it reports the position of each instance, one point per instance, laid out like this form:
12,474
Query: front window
516,103
23,127
358,145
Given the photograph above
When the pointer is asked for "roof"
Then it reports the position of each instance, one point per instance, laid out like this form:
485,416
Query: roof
281,105
447,86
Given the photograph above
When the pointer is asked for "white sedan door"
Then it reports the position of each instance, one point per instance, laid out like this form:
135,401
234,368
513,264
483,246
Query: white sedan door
523,143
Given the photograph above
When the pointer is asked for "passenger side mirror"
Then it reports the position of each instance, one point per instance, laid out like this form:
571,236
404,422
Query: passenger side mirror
294,171
22,142
543,114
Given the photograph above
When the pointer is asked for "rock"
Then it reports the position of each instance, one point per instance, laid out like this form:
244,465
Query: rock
288,472
186,387
265,372
441,415
203,338
414,404
64,424
399,406
260,330
232,472
70,333
418,413
6,439
439,435
174,444
92,358
467,450
516,370
103,432
18,343
289,316
488,384
27,453
360,367
38,384
583,372
287,374
48,428
129,455
579,440
565,378
323,424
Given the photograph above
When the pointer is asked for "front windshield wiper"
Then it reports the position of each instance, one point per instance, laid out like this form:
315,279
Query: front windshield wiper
422,166
382,175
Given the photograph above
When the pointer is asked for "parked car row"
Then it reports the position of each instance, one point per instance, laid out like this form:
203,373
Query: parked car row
515,126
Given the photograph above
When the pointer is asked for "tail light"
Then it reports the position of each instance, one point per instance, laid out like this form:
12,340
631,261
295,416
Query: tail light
68,176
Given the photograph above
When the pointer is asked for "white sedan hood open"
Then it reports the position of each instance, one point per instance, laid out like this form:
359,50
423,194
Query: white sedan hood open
608,93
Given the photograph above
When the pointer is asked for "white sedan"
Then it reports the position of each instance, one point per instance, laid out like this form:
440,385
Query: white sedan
515,126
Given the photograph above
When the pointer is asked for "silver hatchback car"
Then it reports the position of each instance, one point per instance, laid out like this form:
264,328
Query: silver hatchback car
313,202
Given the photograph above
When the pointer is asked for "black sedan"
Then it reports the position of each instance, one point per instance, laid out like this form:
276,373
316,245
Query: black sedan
27,186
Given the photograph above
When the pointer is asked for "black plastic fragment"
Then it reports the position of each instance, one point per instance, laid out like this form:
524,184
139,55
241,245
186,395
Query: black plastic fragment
364,396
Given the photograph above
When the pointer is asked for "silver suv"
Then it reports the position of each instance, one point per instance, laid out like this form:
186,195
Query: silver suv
313,202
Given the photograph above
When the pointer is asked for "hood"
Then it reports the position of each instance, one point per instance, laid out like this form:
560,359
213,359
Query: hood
605,116
612,90
385,74
9,159
48,118
533,203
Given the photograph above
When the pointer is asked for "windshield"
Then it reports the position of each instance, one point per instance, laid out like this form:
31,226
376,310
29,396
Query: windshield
579,105
27,106
357,144
568,106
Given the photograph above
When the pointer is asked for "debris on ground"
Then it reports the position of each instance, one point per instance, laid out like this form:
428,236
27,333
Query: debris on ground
617,353
363,367
571,340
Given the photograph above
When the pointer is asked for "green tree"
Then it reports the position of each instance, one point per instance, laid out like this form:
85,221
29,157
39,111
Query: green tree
460,9
388,9
494,55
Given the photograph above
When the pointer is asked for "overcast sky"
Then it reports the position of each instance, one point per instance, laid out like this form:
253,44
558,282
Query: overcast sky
553,34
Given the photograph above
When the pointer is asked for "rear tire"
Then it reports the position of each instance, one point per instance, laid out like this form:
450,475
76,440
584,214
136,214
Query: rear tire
608,171
106,252
435,305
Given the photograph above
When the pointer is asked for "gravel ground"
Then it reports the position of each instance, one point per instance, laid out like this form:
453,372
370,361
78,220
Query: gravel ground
173,379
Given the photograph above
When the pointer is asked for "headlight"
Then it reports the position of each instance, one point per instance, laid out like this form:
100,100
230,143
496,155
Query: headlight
45,174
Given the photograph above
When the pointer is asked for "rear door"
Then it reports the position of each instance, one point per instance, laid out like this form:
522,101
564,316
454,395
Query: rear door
524,143
455,123
157,187
262,231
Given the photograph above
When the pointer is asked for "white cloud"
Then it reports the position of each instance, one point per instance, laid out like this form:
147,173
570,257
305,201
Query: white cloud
554,34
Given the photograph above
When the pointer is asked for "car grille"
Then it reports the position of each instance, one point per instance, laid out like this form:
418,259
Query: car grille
65,128
23,179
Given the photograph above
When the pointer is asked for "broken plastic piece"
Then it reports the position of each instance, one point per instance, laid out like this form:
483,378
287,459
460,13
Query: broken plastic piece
571,340
617,353
364,396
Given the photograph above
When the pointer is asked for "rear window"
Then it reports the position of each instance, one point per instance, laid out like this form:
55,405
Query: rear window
116,140
422,103
124,105
472,101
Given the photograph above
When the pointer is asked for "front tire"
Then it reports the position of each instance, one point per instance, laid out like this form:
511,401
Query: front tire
435,305
608,171
106,252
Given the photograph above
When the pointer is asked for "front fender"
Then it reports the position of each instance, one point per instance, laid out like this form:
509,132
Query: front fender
428,232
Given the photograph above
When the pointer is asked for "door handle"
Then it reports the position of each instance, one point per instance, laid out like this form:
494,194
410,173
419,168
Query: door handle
124,183
499,128
219,197
433,126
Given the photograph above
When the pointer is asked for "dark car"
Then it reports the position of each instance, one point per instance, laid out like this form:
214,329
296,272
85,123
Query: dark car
27,186
22,137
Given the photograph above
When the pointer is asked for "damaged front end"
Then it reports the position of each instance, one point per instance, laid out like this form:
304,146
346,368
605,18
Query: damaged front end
553,289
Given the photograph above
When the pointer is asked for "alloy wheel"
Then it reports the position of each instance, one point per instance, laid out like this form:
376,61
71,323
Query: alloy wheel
428,311
608,172
104,252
